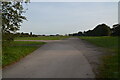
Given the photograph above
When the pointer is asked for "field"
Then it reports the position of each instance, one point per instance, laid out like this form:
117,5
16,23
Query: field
42,38
109,66
17,50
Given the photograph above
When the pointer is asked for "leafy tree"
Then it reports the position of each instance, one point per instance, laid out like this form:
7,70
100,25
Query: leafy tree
12,17
80,33
116,30
101,30
88,33
31,34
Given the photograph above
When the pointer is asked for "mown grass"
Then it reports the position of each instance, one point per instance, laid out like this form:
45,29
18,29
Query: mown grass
42,38
16,43
18,50
110,43
109,67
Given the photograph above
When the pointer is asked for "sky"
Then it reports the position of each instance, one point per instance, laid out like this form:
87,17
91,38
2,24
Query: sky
68,17
74,0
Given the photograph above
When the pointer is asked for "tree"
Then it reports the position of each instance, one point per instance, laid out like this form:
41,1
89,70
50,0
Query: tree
88,33
30,34
12,17
101,30
116,30
80,33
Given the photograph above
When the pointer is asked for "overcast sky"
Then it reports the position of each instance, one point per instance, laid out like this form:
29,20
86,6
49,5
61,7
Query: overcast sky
68,17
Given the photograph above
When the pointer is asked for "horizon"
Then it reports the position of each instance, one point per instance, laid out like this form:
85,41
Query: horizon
68,17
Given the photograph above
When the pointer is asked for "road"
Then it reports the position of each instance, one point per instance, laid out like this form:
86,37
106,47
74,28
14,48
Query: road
59,59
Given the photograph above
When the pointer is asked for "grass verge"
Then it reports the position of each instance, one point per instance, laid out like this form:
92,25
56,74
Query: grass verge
18,50
109,67
42,38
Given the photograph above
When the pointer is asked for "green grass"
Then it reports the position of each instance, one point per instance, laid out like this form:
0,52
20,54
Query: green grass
42,38
109,66
18,50
16,43
110,43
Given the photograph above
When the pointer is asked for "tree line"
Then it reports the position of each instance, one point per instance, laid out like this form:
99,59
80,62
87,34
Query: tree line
100,30
22,34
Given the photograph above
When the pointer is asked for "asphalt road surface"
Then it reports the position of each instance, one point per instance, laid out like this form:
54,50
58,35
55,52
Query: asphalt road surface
59,59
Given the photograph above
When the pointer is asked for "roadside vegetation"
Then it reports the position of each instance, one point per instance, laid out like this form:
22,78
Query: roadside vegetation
42,38
109,67
18,50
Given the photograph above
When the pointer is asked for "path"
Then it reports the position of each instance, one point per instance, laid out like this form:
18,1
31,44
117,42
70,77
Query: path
59,59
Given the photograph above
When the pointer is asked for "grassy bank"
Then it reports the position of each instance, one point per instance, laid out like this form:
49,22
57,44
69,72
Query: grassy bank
109,66
17,50
42,38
